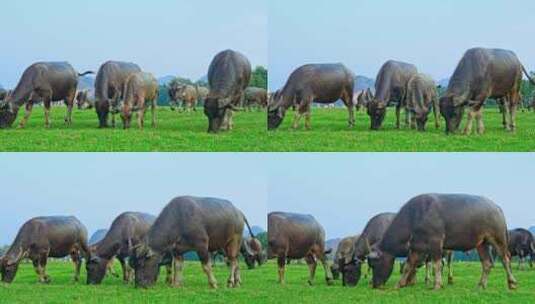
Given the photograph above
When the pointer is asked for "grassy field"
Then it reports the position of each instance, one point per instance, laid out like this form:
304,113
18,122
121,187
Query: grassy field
260,286
187,132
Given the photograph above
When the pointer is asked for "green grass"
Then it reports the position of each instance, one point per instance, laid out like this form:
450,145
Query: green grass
187,132
175,132
260,286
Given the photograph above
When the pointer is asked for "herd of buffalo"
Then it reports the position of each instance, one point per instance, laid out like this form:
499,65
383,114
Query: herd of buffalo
425,231
123,88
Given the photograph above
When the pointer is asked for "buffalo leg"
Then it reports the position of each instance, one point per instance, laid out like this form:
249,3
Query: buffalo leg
450,269
436,112
437,263
77,261
126,271
46,104
153,112
486,264
40,267
232,251
503,252
312,264
27,113
307,119
427,271
348,102
178,278
281,261
204,256
327,270
398,109
110,270
69,101
469,120
479,120
512,115
141,118
410,267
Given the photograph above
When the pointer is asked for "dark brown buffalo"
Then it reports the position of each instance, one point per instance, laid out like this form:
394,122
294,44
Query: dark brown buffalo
345,248
140,88
521,244
297,236
127,230
252,252
83,101
44,237
428,224
321,83
255,96
481,74
421,97
109,86
390,86
191,223
350,265
228,76
42,81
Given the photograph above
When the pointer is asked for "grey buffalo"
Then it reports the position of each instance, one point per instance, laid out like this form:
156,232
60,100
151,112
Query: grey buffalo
255,96
228,76
321,83
481,74
83,101
345,248
297,236
191,223
521,244
422,96
390,86
127,230
140,89
42,81
44,237
109,85
252,252
428,224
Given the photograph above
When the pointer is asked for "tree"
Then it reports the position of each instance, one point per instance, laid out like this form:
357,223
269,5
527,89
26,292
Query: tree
259,77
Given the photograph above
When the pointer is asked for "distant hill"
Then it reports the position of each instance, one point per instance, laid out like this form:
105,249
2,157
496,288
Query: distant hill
203,79
97,236
165,79
256,230
332,244
86,83
363,82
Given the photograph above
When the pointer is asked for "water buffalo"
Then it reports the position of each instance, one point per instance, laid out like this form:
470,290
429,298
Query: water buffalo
44,237
42,81
252,252
254,96
127,230
390,86
228,76
322,83
481,74
362,98
140,88
521,244
297,236
350,264
344,249
83,100
428,224
202,93
188,94
191,223
109,86
421,96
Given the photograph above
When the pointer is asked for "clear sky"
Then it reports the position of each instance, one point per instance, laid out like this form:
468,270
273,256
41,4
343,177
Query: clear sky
165,37
363,34
97,187
344,190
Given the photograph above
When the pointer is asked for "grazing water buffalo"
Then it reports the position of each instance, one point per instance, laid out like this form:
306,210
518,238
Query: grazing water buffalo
481,74
254,96
428,224
140,88
191,223
109,86
521,244
42,81
252,252
344,249
228,76
297,236
202,93
44,237
390,86
83,101
350,265
421,96
188,94
127,230
362,98
322,83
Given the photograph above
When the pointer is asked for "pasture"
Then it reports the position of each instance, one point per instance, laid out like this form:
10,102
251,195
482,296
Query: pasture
260,286
186,132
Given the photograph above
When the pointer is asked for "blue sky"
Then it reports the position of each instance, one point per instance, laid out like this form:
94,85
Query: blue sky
344,190
97,187
165,37
363,34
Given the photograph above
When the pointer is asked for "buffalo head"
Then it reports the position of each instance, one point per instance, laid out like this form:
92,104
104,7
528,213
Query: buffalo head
350,272
8,269
382,265
102,108
146,264
376,110
421,120
452,111
8,114
216,110
96,269
275,117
